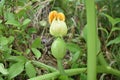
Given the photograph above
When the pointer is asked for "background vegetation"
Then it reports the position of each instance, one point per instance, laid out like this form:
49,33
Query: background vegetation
25,40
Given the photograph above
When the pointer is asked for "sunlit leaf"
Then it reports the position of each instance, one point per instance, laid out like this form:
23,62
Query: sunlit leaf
115,28
3,41
30,70
11,39
37,43
76,56
114,41
43,23
17,59
84,33
1,5
13,22
73,47
26,21
27,51
83,76
1,78
17,52
63,77
32,30
3,70
103,29
36,52
112,20
15,69
0,21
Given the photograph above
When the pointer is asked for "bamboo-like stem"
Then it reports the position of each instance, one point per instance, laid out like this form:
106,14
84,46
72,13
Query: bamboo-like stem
91,40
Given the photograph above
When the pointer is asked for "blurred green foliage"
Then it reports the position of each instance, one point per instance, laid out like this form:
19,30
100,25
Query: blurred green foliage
24,28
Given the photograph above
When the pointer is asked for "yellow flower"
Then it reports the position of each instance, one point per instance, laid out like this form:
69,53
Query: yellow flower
58,26
52,15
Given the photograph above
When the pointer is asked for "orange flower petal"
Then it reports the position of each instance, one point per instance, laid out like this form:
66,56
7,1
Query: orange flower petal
52,16
61,16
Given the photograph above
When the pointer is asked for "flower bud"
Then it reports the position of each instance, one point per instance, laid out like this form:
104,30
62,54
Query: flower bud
58,48
58,28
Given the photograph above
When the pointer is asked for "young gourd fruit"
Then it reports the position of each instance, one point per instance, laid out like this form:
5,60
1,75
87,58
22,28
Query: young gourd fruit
58,48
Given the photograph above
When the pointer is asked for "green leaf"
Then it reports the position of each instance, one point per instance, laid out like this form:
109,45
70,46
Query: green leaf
11,19
0,21
103,29
115,28
37,43
30,70
15,69
63,77
73,47
36,52
83,76
1,6
2,3
98,45
17,52
1,78
26,22
17,59
84,33
43,23
27,51
76,57
116,20
32,30
3,70
11,39
13,22
114,41
9,16
112,20
3,41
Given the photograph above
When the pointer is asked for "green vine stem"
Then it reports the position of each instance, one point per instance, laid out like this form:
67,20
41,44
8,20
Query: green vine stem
109,70
42,65
71,72
91,40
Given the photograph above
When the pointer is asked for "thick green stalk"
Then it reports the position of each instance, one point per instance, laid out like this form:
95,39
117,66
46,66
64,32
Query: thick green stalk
60,66
91,40
61,69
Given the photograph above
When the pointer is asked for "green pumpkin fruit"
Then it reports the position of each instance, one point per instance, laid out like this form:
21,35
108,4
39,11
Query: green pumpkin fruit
58,48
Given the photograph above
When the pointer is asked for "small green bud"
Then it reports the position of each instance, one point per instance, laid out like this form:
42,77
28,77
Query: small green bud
58,28
58,48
